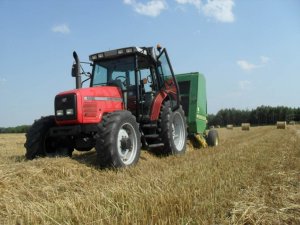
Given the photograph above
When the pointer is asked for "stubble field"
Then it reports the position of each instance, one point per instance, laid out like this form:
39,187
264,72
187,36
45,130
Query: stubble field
253,177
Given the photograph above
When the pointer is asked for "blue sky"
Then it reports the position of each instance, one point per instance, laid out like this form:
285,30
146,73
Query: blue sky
249,50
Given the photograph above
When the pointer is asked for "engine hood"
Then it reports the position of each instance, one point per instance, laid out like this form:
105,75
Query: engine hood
105,91
89,104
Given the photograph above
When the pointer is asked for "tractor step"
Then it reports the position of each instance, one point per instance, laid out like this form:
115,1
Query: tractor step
158,145
149,125
151,136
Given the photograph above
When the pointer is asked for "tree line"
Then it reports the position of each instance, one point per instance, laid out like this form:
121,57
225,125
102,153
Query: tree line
17,129
262,115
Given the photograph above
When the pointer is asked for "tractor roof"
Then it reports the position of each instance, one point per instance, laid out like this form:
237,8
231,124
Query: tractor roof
118,53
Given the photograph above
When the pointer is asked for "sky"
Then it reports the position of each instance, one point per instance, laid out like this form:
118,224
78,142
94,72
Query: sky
248,50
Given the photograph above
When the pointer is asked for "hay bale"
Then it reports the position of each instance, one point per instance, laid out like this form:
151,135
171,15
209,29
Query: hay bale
292,122
281,124
218,126
212,127
245,126
229,127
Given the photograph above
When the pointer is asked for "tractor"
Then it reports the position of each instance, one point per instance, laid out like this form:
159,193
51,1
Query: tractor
132,100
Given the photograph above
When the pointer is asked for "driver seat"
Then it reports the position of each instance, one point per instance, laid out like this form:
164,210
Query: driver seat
116,83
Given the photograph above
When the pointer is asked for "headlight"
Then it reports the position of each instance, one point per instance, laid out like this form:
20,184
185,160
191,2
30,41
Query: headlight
94,57
60,112
129,50
100,55
70,112
120,51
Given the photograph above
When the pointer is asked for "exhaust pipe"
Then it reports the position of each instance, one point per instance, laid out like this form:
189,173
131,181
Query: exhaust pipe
76,70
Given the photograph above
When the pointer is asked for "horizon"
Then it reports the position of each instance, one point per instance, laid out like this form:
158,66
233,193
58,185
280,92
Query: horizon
209,114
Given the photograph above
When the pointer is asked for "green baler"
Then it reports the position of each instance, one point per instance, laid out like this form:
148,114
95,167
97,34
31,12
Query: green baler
194,102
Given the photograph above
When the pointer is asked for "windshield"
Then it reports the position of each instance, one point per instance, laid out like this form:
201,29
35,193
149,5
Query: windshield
119,71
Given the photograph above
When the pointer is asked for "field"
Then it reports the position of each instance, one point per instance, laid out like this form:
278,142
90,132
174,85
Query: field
253,177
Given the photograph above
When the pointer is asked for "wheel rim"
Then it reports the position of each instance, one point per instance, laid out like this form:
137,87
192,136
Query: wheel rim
127,143
178,131
217,142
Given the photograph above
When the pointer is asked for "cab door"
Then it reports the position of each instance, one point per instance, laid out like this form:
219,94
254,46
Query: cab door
167,79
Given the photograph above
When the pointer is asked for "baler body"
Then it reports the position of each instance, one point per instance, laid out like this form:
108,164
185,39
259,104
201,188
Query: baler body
192,88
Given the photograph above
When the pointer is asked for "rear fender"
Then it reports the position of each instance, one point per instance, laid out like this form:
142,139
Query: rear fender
157,103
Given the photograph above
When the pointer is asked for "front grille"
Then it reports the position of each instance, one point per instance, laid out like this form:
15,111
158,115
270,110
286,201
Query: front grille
64,103
89,109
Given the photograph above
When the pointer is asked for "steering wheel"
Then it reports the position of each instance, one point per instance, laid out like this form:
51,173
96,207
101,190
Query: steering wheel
123,82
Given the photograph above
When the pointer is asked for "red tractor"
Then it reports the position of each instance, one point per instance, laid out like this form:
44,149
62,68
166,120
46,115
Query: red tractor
133,97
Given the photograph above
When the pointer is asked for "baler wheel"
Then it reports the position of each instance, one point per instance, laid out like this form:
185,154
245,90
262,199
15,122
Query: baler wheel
213,138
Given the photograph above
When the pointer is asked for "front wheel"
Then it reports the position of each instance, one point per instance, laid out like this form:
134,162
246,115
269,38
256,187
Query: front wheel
39,143
119,140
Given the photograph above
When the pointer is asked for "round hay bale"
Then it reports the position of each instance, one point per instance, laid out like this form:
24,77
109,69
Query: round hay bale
245,126
292,122
211,127
229,127
281,124
218,126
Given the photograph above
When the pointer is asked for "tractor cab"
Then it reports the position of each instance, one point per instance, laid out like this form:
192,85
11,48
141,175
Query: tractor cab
140,75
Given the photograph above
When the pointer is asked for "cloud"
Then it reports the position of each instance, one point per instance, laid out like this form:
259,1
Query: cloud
245,85
264,59
61,28
247,66
243,64
196,3
152,8
220,10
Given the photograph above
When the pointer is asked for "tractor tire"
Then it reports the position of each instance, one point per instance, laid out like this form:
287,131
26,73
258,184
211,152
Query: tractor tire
38,144
173,129
212,138
119,140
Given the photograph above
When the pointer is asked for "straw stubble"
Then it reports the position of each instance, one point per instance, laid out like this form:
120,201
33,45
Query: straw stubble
251,178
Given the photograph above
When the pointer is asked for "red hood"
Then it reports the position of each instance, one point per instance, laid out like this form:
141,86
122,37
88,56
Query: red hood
92,103
104,91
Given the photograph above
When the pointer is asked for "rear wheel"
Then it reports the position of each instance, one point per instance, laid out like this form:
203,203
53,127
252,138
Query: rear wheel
213,138
173,129
39,143
119,141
